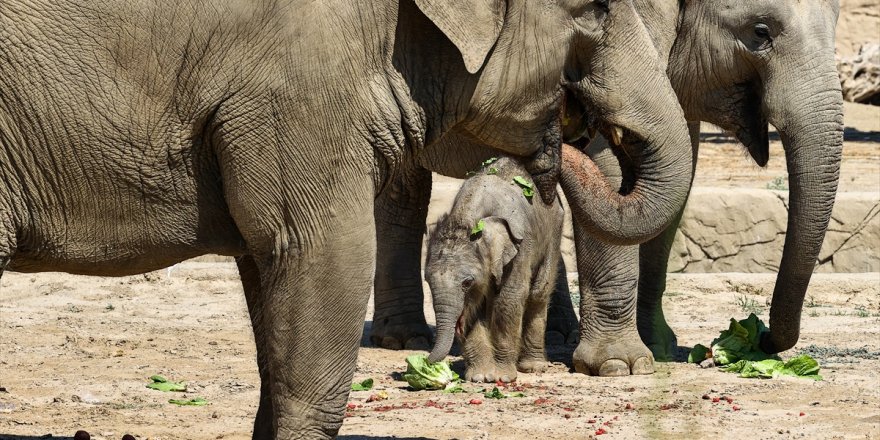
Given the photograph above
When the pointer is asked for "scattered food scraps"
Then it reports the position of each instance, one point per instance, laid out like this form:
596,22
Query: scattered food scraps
160,383
364,385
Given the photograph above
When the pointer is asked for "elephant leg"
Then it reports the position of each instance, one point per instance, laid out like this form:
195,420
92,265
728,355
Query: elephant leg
477,352
532,356
250,279
653,329
653,259
608,278
401,210
312,310
562,323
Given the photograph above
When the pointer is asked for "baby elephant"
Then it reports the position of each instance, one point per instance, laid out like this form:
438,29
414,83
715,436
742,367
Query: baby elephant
492,265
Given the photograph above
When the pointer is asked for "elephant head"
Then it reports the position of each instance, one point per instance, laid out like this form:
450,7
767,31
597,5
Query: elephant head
746,63
588,65
466,274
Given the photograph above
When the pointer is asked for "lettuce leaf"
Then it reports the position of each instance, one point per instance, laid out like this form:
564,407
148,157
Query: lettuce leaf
421,374
741,340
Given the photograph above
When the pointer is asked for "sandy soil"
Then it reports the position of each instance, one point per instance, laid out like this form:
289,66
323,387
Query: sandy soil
77,352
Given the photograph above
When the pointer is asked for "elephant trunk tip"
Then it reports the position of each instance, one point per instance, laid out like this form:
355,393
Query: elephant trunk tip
435,357
771,344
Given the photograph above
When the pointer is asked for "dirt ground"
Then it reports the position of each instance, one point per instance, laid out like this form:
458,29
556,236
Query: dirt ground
77,353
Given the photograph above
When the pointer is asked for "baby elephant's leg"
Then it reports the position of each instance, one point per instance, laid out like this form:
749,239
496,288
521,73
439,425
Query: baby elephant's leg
532,358
478,354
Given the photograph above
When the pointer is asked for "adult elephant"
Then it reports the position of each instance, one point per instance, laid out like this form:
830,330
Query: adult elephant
739,65
134,135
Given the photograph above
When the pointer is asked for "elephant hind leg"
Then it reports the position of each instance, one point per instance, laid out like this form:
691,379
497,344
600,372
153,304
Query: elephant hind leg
562,323
401,210
250,279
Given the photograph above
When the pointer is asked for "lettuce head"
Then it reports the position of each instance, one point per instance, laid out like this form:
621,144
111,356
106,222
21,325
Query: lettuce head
422,374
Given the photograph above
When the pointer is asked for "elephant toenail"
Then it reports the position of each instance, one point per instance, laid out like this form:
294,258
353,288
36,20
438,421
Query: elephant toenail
643,365
613,368
477,378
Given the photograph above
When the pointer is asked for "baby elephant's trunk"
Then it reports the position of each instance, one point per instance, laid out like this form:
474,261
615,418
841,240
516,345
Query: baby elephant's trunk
447,319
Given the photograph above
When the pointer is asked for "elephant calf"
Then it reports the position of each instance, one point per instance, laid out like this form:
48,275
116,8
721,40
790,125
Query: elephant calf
492,265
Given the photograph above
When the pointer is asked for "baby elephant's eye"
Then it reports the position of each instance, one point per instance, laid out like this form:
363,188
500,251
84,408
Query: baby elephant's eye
467,283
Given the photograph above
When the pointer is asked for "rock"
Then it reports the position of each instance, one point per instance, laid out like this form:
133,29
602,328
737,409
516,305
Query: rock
860,75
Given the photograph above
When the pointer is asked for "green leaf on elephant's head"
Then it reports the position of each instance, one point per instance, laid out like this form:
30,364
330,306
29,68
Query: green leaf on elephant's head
478,228
492,170
528,189
364,385
488,162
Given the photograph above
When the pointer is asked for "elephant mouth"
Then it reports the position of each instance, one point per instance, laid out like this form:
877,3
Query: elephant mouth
748,122
580,126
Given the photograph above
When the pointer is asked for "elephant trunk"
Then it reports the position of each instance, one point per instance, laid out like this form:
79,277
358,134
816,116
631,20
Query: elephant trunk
663,171
812,136
447,313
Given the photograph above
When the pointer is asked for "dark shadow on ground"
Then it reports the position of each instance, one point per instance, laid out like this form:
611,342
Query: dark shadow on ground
33,437
849,135
368,437
368,327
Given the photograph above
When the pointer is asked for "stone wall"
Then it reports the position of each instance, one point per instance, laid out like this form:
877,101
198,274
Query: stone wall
743,230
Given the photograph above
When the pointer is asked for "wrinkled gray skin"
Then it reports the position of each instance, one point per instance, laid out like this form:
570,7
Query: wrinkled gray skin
724,74
729,70
138,134
491,288
642,108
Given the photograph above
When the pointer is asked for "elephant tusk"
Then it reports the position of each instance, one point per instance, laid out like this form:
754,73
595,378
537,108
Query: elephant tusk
617,135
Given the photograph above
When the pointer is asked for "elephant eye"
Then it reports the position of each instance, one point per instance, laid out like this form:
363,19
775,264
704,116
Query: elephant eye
467,283
762,30
602,4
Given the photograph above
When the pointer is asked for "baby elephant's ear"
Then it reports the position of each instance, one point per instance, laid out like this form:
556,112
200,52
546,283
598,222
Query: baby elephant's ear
471,25
500,246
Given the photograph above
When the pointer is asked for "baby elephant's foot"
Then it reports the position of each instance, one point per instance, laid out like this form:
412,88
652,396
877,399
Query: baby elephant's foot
491,373
532,365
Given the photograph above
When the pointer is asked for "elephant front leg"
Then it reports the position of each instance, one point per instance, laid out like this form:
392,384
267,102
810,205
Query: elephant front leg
653,259
608,278
653,328
609,341
313,303
401,210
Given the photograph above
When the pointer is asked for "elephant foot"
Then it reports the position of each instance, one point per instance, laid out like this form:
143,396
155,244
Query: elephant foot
399,332
662,342
616,357
562,327
658,336
532,365
491,373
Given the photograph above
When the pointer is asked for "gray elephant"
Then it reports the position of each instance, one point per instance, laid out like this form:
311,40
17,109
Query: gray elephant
401,211
134,135
492,264
739,65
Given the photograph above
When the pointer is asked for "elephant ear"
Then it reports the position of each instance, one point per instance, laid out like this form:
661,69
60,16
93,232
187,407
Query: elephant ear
500,246
472,25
